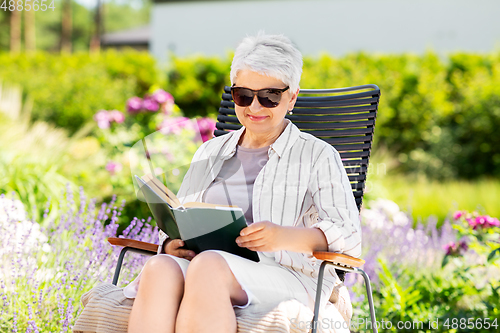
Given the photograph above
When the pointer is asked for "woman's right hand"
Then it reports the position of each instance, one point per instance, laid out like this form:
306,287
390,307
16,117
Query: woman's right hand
172,246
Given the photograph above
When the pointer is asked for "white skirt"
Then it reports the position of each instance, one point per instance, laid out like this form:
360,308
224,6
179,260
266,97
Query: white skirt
264,282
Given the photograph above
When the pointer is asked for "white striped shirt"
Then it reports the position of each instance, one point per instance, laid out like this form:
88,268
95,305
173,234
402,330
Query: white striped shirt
303,184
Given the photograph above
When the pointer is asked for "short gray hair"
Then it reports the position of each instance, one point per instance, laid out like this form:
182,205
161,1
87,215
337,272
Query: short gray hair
271,55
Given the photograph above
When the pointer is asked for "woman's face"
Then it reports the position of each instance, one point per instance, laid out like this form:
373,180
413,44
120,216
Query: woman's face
256,118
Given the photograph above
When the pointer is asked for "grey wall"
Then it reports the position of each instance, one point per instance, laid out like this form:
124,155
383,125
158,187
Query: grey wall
333,26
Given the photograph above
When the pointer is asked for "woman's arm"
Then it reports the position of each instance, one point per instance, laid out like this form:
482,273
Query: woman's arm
269,237
338,228
338,215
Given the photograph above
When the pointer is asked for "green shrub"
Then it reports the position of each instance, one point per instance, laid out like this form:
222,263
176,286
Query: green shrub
197,83
436,115
69,89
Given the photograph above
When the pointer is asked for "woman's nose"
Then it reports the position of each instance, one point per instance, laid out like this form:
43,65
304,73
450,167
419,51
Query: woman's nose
255,104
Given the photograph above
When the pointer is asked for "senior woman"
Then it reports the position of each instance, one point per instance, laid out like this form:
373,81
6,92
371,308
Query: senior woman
296,197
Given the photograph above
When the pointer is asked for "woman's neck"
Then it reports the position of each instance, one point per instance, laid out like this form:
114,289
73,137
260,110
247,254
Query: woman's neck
254,140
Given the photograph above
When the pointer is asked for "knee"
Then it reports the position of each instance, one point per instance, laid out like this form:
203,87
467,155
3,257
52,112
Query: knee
162,266
207,265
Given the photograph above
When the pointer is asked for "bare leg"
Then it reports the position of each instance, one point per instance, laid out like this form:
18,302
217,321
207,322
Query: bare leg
211,290
158,298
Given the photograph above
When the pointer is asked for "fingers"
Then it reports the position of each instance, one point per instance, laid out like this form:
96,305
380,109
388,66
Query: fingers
250,240
174,249
256,226
187,254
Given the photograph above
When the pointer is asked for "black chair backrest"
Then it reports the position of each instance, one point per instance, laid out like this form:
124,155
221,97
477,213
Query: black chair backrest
343,117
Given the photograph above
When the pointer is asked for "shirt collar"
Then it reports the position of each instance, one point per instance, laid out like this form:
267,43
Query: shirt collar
280,146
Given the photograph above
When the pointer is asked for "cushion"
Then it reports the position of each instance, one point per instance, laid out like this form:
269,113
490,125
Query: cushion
106,310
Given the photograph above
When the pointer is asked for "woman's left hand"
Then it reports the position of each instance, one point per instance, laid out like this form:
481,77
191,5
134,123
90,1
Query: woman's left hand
263,236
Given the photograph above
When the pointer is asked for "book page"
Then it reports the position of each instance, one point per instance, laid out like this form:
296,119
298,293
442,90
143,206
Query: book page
173,201
205,205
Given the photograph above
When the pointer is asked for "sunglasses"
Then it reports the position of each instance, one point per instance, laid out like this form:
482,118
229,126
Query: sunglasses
268,98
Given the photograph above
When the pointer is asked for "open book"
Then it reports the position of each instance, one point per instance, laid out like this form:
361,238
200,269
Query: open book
201,226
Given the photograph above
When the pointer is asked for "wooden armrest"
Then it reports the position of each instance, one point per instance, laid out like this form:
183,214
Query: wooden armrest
133,243
339,258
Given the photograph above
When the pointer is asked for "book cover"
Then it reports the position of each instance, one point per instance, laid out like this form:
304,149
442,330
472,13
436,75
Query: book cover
201,226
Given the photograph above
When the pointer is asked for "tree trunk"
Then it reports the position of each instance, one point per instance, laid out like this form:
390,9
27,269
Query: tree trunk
66,27
15,31
95,42
29,31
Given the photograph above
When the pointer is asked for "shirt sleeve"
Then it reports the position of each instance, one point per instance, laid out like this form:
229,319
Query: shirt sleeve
338,216
163,238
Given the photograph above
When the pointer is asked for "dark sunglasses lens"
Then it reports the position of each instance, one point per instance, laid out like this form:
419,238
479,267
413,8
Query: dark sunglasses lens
242,96
269,98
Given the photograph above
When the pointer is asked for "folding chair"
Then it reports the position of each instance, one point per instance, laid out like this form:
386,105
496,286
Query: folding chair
343,117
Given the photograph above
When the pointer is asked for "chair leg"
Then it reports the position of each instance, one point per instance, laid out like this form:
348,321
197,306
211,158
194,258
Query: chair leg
318,296
370,298
119,265
120,260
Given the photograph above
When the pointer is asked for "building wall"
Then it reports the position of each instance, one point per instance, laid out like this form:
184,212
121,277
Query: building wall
334,26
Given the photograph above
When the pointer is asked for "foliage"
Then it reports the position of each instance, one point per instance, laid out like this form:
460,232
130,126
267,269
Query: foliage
197,83
37,160
68,89
412,287
46,267
117,15
152,137
44,271
422,196
436,115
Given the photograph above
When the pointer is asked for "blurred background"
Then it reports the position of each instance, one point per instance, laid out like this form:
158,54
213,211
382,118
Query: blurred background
436,63
84,80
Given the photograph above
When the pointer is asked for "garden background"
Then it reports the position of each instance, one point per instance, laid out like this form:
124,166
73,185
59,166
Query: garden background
67,122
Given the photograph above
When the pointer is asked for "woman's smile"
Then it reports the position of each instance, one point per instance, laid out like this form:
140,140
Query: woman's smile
256,118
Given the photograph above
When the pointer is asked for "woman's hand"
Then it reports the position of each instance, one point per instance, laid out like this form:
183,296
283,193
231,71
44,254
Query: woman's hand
172,246
270,237
263,236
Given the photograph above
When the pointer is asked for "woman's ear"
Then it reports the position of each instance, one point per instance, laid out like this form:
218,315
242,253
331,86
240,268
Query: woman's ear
293,100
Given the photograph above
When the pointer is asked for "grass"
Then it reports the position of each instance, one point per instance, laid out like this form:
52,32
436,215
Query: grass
422,197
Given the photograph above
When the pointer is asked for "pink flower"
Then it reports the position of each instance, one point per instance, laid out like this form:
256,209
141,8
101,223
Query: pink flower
207,127
116,116
102,119
175,125
150,104
458,214
161,96
483,222
472,222
113,167
455,249
492,222
134,104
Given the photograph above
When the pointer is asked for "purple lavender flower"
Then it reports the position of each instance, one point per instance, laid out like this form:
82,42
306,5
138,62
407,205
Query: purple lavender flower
134,105
150,104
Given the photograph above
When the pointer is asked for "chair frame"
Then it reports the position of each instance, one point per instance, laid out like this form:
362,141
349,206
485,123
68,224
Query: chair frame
340,261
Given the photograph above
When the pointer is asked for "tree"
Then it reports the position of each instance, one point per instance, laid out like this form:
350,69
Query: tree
95,42
15,31
66,27
29,31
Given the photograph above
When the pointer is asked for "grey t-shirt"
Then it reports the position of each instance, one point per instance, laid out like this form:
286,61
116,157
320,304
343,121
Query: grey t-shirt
234,183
